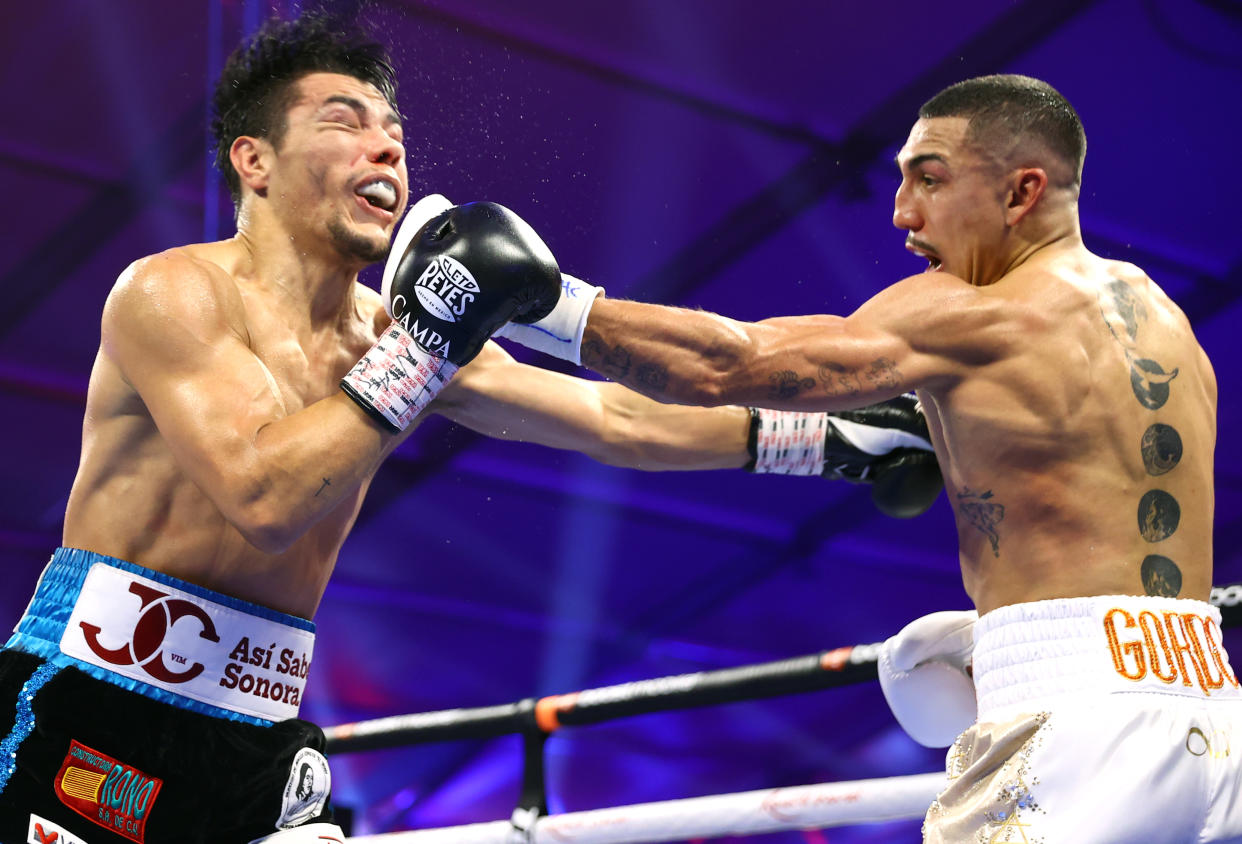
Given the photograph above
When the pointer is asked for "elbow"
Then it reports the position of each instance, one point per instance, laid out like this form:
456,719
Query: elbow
267,526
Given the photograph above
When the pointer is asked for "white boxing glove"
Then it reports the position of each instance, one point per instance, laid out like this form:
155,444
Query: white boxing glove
559,333
925,674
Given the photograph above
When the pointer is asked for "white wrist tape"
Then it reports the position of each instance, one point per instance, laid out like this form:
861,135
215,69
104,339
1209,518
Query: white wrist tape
925,677
419,215
396,378
788,442
559,333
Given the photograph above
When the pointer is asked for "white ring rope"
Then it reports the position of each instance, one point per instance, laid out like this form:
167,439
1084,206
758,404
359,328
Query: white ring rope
743,813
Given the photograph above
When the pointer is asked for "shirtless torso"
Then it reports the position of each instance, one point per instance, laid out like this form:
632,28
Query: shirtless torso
1072,410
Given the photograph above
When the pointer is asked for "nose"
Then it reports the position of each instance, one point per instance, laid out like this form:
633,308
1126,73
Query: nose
385,149
905,214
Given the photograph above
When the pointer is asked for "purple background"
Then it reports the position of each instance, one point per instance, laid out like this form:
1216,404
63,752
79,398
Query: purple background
734,155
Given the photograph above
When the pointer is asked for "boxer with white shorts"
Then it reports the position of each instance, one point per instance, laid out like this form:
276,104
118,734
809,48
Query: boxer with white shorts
1073,413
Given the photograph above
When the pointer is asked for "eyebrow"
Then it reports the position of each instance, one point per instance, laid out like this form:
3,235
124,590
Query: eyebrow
360,108
918,160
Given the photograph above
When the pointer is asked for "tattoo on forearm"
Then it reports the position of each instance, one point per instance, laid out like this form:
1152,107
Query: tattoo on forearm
613,362
1161,448
1161,576
1124,314
839,381
786,384
651,375
1158,515
617,363
983,513
326,483
883,373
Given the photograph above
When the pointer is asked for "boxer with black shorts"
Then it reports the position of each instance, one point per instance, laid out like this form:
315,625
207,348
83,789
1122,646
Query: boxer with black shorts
1074,416
243,397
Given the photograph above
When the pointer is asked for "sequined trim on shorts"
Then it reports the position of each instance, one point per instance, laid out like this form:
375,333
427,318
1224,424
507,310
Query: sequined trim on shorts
23,723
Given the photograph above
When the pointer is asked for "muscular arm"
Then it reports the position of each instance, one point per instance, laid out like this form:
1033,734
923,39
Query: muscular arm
497,396
173,327
917,333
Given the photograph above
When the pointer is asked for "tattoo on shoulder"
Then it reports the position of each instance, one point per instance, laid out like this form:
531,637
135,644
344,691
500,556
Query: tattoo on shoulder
983,513
1161,576
786,384
1124,314
1128,307
327,482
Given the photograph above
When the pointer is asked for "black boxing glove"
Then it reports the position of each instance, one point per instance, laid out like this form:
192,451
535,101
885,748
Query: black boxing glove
458,277
886,445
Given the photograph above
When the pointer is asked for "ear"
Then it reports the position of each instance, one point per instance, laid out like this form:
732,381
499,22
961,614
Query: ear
252,159
1026,187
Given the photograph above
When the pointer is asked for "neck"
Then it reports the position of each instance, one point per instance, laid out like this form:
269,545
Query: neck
311,276
1035,239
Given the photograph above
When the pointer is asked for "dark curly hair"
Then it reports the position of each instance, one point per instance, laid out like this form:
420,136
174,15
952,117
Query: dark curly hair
1007,106
257,85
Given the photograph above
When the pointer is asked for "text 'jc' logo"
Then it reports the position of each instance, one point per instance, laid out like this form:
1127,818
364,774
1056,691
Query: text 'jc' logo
159,613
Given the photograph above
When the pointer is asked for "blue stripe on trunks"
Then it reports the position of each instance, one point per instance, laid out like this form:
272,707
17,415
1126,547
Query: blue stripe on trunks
43,624
23,722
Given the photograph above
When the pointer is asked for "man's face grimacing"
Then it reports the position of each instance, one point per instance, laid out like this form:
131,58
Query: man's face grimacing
951,200
341,165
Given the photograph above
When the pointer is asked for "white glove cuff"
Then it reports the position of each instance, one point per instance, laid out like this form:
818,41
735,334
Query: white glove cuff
396,379
559,333
789,442
419,215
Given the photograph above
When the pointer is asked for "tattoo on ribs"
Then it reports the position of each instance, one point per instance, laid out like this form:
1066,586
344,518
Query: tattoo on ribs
1161,576
1161,448
983,513
1124,314
786,384
1158,515
326,483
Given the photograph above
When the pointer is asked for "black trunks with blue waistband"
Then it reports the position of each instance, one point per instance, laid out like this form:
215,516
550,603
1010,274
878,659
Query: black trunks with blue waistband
137,707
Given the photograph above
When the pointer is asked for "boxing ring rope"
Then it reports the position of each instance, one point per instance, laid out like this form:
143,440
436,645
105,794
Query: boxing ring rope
744,813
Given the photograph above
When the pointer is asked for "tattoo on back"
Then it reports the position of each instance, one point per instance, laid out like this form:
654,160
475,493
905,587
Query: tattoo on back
1125,314
1161,576
983,513
1158,515
1161,448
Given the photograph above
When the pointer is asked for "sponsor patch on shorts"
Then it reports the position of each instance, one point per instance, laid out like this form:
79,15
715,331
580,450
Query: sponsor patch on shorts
112,794
43,831
307,790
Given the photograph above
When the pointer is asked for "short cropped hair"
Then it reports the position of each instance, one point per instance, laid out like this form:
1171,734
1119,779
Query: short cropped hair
1004,108
258,83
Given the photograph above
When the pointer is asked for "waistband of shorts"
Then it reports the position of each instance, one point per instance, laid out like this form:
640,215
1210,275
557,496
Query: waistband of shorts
1028,654
226,665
